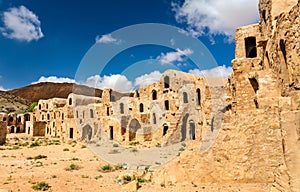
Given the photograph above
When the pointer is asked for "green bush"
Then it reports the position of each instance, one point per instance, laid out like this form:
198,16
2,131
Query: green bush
106,168
40,157
41,186
30,109
72,167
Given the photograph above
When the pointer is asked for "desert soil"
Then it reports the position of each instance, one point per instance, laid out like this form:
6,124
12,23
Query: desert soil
23,165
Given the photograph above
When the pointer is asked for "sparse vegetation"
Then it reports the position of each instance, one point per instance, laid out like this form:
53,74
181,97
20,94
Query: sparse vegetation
31,108
106,168
41,186
72,167
114,151
134,150
37,157
98,177
115,145
134,143
181,149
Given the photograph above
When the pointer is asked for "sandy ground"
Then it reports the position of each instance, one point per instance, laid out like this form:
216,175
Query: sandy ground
19,171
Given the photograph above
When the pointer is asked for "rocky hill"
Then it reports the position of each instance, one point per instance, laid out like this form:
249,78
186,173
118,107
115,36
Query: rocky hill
11,103
48,90
21,98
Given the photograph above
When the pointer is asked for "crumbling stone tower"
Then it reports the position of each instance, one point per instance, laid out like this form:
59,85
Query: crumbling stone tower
260,137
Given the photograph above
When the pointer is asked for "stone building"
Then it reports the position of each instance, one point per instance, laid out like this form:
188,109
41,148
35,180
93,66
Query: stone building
260,137
165,112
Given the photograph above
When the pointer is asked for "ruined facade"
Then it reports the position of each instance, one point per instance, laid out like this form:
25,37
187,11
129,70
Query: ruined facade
259,140
259,115
174,109
165,112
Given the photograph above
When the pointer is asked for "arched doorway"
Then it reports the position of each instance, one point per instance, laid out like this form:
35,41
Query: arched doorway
87,132
134,125
165,129
192,130
184,127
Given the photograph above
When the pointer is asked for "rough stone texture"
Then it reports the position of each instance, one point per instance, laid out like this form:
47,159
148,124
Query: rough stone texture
259,140
3,131
245,132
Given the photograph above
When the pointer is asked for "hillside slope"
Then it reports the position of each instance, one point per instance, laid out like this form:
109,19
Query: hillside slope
48,90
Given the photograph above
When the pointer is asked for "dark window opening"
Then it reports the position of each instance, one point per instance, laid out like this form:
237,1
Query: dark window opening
121,108
40,106
12,129
91,113
42,117
53,124
111,132
4,118
107,111
48,116
167,81
54,115
46,106
228,107
185,97
154,118
192,131
166,127
62,116
264,16
256,104
18,130
141,107
70,101
77,116
71,133
198,96
154,95
167,105
28,130
282,48
27,117
254,84
11,119
82,114
19,119
250,44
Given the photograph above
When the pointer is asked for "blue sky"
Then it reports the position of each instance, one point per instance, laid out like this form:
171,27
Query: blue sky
47,40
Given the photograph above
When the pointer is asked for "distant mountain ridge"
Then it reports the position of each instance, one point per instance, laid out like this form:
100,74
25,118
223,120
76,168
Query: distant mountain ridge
47,90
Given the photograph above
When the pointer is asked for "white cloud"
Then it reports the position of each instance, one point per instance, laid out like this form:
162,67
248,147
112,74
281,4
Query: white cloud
2,89
106,39
21,24
220,71
174,56
54,79
116,82
147,78
217,16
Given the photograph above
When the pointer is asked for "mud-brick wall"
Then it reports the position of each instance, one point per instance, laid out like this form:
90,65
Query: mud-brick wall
3,131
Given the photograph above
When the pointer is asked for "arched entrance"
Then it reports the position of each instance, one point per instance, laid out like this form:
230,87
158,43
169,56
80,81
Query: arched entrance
134,125
192,130
87,132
